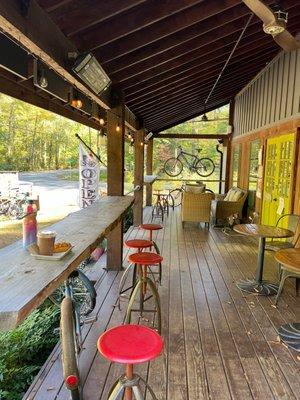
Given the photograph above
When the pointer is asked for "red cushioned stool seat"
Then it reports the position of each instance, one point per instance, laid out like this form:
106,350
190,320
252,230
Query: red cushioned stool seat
145,258
130,344
138,243
151,227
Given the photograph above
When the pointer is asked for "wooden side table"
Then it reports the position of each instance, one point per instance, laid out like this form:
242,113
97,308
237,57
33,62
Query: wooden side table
258,285
290,264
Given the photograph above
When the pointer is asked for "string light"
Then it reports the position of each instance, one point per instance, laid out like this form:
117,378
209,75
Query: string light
77,103
101,121
118,127
142,144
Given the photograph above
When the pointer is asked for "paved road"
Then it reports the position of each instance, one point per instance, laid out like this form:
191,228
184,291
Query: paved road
57,196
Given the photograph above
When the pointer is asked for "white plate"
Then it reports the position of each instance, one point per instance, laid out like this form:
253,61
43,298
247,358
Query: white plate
54,257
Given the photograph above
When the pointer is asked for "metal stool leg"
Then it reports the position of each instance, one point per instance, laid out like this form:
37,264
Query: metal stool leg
122,283
149,388
115,390
284,275
138,289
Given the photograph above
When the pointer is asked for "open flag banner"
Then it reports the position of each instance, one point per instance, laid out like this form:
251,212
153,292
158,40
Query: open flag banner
88,177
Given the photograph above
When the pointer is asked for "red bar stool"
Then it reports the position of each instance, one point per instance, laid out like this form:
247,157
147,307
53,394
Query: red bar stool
139,245
130,345
144,260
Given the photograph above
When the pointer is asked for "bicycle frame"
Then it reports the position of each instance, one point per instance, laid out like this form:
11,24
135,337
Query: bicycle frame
69,294
182,155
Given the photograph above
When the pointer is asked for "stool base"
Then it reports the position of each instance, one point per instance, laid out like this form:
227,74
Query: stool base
138,289
123,382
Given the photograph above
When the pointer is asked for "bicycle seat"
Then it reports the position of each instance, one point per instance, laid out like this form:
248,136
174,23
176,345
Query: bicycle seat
199,150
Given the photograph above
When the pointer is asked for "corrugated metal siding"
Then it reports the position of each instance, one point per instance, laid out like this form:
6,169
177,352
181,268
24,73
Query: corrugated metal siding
274,95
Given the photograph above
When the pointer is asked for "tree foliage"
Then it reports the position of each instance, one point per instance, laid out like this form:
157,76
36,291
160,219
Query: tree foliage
35,139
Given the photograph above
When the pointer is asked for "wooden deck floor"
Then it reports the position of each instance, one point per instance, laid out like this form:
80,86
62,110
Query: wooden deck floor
219,342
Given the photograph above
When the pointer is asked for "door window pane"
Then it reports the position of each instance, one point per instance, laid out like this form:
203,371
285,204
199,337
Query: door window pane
253,164
235,164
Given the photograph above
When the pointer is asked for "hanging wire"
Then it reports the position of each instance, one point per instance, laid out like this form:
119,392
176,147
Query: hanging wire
229,58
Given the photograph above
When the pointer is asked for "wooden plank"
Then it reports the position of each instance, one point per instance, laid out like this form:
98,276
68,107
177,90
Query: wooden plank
25,282
139,151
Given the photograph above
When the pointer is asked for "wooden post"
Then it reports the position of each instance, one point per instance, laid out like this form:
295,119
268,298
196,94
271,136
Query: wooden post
138,177
115,181
149,171
228,146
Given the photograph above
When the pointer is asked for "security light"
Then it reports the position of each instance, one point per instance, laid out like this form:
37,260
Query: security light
90,71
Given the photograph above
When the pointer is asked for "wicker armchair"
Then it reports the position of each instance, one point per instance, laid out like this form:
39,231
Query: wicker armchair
196,207
227,205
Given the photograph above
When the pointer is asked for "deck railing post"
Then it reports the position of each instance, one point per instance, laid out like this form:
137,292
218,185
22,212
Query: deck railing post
138,177
149,171
227,144
115,180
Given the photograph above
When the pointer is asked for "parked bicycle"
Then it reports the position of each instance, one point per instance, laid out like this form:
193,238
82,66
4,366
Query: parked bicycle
203,166
76,299
13,206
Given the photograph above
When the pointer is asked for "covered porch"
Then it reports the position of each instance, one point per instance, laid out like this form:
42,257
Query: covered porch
220,343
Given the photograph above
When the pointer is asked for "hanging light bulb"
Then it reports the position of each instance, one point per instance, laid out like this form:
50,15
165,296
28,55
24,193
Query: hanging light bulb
129,136
142,144
43,81
101,121
77,103
204,118
118,127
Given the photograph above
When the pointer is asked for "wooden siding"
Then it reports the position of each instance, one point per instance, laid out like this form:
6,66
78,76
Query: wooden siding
273,96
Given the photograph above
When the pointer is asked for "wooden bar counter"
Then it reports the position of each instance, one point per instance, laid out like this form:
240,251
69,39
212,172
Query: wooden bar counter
26,282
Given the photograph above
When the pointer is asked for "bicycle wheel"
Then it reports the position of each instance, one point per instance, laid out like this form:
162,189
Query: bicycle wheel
176,196
69,348
84,293
173,167
205,167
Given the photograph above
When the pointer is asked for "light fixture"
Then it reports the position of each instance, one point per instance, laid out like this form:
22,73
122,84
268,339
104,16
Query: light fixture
43,81
142,144
278,25
76,102
118,127
101,121
204,118
90,71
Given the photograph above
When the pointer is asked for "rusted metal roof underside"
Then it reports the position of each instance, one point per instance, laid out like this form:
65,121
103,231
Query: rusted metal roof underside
166,55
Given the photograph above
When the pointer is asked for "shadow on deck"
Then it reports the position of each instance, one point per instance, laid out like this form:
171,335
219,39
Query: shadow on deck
219,342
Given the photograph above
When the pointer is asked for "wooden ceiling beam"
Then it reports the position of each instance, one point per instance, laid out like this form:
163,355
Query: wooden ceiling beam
171,84
193,85
227,21
76,16
195,60
177,75
25,91
50,5
185,116
196,87
133,20
176,106
164,28
191,51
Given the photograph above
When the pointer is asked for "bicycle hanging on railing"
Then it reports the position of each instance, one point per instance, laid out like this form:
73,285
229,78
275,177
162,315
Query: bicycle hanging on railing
203,166
76,299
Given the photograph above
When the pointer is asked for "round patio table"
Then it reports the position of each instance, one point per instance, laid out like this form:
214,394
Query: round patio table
258,285
290,333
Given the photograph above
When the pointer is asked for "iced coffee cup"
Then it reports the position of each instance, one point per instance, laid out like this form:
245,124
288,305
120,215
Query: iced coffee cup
45,241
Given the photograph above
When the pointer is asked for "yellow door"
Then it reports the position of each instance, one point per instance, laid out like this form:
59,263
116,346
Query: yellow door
278,178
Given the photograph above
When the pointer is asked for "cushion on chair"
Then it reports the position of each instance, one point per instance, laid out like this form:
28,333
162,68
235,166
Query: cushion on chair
234,194
196,189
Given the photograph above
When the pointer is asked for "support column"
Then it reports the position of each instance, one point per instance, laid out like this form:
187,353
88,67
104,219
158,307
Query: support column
115,181
149,171
228,146
138,177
